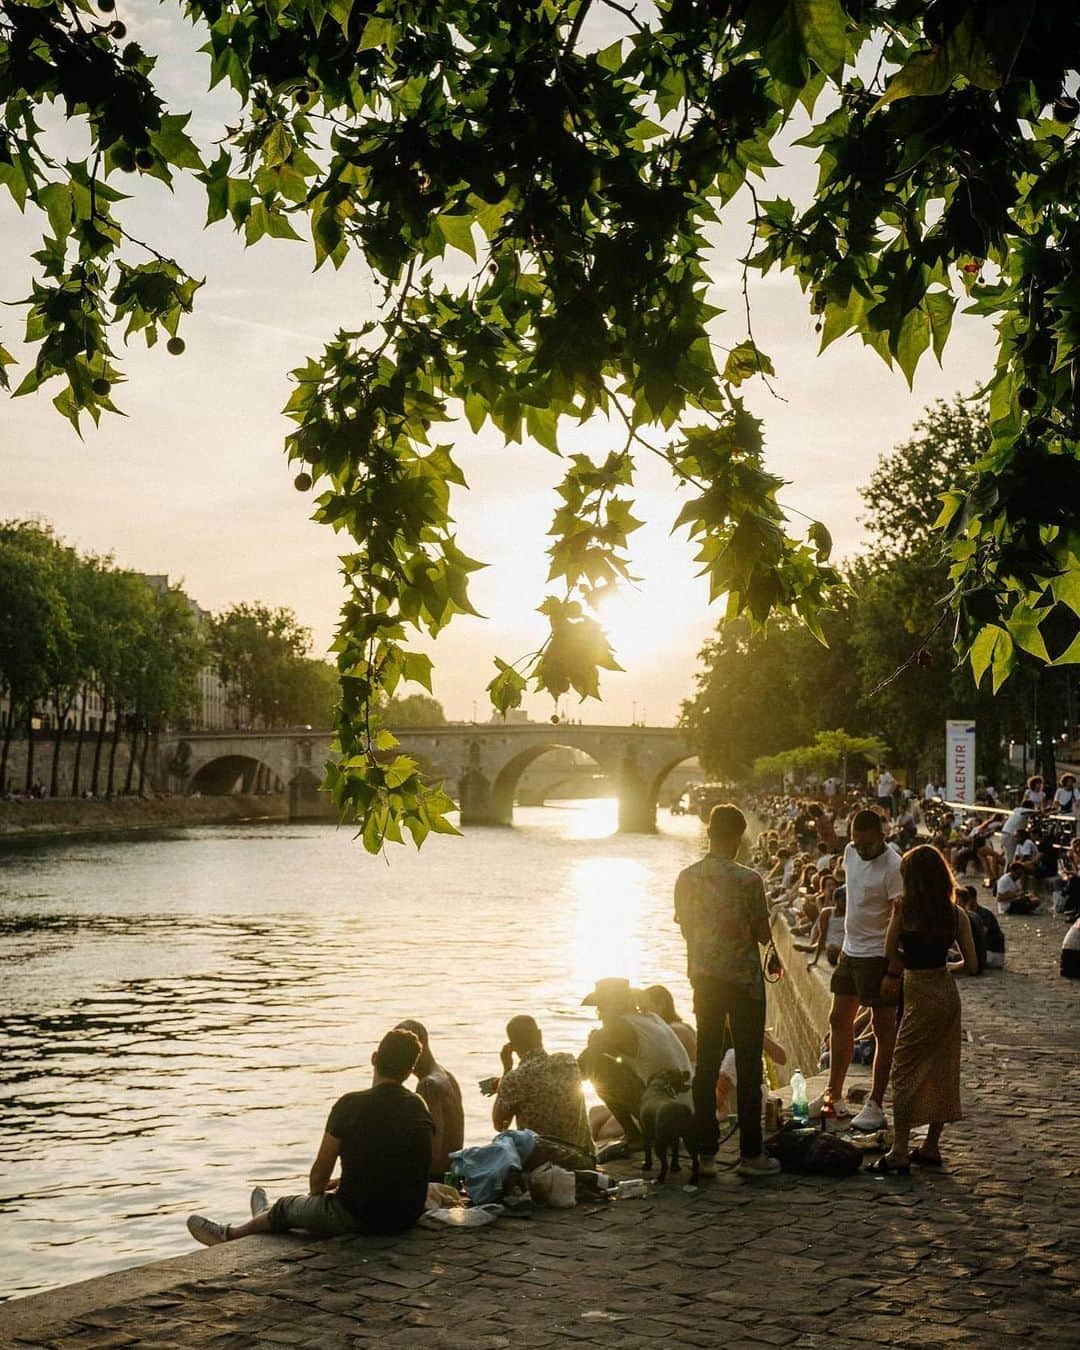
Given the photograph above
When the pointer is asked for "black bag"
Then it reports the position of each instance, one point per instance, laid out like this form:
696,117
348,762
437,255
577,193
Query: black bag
814,1153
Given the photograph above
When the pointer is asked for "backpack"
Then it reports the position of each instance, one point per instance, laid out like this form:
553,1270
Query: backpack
813,1152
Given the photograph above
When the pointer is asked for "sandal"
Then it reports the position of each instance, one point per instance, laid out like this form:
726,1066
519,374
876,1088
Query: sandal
883,1168
924,1159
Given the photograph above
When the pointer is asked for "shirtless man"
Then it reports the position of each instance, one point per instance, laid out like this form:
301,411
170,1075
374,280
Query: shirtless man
439,1089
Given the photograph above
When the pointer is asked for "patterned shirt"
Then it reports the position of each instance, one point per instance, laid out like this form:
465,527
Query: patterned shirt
717,901
544,1093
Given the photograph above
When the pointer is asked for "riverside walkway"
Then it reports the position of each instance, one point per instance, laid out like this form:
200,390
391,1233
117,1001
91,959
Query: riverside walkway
983,1254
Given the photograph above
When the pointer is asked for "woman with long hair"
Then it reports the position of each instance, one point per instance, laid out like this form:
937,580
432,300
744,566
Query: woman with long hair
658,999
926,921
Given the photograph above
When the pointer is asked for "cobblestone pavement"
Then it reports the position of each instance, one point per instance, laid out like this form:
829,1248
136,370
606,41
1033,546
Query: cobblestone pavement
984,1253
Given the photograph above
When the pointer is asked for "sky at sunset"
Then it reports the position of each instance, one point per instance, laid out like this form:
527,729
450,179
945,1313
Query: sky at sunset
193,482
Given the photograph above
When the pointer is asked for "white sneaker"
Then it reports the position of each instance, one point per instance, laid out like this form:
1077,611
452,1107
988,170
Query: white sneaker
761,1166
207,1231
260,1202
871,1118
707,1165
843,1111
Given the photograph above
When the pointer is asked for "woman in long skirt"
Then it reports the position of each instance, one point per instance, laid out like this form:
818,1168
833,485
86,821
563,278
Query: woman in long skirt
926,1065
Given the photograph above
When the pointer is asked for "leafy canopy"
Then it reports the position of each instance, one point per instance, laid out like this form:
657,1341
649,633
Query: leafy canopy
580,181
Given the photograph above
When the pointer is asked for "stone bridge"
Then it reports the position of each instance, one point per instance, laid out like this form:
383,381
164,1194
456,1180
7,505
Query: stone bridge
479,764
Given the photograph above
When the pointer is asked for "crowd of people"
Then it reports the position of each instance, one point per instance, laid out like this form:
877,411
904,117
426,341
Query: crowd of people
895,918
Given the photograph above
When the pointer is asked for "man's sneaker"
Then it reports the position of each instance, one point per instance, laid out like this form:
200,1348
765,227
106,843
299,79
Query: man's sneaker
843,1111
260,1202
871,1118
707,1165
761,1166
207,1231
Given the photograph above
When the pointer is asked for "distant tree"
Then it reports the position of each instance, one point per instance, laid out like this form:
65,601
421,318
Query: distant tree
417,710
311,693
257,650
34,626
758,693
166,671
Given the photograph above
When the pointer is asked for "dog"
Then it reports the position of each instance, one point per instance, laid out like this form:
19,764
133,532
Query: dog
665,1121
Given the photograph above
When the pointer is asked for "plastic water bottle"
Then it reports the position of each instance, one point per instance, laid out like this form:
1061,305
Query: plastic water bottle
632,1190
800,1107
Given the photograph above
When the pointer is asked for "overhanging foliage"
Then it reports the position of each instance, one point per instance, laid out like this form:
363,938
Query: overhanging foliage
582,182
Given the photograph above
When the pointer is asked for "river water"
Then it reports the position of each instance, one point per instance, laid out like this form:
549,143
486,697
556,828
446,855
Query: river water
178,1012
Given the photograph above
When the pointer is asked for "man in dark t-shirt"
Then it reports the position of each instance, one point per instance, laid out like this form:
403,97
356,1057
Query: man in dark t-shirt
383,1138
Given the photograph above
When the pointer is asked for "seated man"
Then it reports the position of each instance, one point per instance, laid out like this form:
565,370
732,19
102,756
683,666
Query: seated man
967,899
625,1051
383,1138
442,1096
544,1094
1012,898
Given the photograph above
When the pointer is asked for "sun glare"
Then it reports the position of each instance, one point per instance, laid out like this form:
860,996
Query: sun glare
633,622
611,894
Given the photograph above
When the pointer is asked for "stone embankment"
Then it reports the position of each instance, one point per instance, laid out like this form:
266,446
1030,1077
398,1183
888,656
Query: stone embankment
60,816
981,1254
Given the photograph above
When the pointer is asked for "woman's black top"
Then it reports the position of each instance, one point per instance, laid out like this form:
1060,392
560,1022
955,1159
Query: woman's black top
925,951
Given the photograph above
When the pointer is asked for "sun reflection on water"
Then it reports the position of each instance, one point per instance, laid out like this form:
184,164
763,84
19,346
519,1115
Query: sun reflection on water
611,894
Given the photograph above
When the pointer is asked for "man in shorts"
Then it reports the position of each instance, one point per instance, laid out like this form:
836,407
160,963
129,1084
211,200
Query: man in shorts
382,1137
862,977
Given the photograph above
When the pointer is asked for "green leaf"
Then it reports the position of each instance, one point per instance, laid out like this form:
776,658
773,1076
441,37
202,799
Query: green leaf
940,306
982,651
610,58
912,341
823,25
457,231
820,537
378,33
926,73
1023,625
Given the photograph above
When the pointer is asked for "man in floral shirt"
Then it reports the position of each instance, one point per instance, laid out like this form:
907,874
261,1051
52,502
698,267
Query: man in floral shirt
544,1092
721,908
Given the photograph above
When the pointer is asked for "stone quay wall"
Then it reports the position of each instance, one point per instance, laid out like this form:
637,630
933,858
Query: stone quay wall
60,816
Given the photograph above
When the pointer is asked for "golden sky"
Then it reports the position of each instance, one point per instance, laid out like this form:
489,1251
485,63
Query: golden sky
192,481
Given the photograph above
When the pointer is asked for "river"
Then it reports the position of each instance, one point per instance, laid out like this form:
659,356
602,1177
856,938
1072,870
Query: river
178,1011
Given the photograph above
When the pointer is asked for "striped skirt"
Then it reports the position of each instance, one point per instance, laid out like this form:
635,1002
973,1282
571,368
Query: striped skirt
926,1065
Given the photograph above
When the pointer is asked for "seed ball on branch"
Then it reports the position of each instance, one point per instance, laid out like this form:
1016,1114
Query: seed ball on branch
106,6
101,387
118,31
1027,398
302,481
302,96
144,160
175,346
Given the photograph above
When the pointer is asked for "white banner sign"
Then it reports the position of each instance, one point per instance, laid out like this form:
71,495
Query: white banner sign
960,761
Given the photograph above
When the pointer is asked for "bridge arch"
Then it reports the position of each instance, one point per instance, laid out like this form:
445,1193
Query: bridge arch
503,789
665,769
227,774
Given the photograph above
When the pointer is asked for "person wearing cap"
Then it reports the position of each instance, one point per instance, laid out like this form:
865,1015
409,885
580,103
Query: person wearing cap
721,909
626,1050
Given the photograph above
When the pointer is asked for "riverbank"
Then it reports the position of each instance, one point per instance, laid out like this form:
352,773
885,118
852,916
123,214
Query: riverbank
59,817
981,1253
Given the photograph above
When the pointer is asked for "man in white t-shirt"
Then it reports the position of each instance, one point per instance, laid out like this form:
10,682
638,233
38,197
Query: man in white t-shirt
930,791
1011,895
886,786
862,977
1012,829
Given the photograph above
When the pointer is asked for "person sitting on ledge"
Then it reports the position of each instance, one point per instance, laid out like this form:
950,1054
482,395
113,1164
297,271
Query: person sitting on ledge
442,1097
543,1093
382,1136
